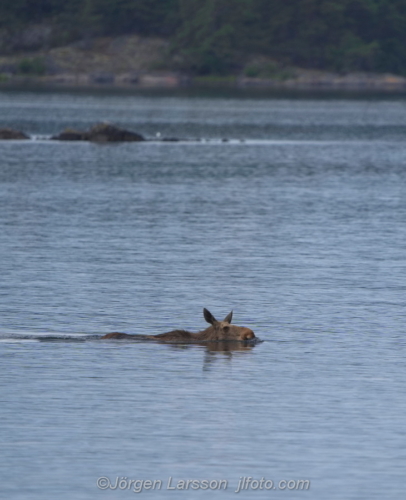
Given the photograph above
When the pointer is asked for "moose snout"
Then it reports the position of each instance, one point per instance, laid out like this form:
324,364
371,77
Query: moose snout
247,334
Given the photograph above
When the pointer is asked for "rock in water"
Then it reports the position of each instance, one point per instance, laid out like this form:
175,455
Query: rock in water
9,133
105,132
71,134
101,132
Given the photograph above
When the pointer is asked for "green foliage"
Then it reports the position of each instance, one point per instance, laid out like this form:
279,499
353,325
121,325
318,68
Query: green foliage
215,37
19,12
125,16
215,80
214,33
34,67
269,69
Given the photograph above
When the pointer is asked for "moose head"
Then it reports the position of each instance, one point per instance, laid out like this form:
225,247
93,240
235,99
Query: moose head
224,330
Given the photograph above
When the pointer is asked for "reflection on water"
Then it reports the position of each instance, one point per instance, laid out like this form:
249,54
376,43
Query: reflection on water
218,347
300,229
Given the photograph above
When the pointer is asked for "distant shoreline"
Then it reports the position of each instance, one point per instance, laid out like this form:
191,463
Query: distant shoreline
308,81
134,62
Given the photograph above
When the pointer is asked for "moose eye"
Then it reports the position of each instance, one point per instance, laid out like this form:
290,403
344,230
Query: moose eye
226,328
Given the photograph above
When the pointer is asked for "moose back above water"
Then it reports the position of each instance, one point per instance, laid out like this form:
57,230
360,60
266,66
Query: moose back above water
219,331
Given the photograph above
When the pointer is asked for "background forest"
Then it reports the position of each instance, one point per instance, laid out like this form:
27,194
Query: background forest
215,36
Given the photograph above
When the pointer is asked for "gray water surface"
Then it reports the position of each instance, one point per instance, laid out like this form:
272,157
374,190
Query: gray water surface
297,224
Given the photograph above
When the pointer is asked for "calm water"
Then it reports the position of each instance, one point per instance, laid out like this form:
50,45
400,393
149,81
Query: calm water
298,224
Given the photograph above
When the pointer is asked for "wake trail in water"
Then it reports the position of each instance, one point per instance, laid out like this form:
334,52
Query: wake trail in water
46,337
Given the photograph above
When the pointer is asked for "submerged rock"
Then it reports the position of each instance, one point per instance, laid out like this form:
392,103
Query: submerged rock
9,133
101,132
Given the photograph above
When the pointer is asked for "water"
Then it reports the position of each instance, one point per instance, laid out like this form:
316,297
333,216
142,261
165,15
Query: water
297,223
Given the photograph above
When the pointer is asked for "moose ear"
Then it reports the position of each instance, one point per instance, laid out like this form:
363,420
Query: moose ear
228,318
209,317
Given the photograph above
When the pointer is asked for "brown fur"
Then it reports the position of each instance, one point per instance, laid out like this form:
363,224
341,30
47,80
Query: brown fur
219,331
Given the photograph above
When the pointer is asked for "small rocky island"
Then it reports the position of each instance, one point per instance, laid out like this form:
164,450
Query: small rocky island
11,134
101,132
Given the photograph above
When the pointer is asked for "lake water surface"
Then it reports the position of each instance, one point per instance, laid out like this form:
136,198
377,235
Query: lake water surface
297,223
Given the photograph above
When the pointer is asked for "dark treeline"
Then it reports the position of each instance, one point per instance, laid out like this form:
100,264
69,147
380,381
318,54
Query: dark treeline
215,36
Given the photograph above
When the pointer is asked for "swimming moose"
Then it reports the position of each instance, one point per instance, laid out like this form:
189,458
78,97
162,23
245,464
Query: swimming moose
218,331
